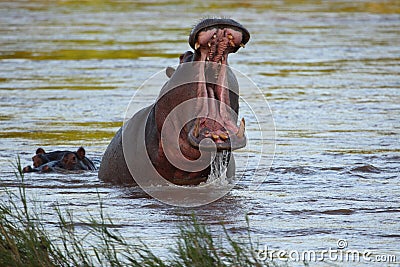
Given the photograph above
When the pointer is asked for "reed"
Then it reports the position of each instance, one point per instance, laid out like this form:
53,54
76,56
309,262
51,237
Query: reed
24,240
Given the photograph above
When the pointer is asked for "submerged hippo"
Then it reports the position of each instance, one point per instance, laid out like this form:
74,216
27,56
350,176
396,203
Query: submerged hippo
59,161
160,141
41,157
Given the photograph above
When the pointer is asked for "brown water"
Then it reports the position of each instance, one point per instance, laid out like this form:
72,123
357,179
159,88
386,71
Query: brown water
330,72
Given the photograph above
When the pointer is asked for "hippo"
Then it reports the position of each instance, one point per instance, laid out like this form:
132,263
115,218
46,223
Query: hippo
60,160
41,157
194,116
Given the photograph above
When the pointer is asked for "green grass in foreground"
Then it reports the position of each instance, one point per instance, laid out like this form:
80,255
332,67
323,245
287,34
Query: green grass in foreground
24,241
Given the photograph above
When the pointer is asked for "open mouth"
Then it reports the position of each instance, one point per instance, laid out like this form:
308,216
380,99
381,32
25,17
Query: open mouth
217,91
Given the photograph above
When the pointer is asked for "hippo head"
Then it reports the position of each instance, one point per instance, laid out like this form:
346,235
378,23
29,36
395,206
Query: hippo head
197,109
213,40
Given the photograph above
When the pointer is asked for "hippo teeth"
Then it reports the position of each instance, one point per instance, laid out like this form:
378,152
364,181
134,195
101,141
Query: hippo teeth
242,45
215,136
240,132
196,128
218,123
223,136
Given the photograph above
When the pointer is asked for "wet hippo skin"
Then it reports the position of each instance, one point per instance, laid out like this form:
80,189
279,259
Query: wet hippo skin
215,126
59,161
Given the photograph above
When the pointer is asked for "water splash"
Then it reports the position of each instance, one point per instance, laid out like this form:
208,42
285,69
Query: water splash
218,164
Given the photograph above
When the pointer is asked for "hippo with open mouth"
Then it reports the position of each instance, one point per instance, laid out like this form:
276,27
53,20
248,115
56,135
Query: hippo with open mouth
194,116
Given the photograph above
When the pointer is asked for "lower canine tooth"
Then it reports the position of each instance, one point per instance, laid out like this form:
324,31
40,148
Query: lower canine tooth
240,132
209,44
242,45
196,45
196,128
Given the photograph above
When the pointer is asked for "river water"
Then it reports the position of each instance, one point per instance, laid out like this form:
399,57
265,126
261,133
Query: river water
329,71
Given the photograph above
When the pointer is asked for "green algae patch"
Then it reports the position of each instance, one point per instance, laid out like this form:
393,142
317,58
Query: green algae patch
6,117
61,135
85,54
76,87
92,124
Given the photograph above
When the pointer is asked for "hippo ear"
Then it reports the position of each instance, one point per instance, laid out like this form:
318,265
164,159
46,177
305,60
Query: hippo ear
169,71
186,57
27,169
40,151
181,58
81,153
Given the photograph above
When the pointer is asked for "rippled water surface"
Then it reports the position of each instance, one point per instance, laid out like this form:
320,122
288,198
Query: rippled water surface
330,72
